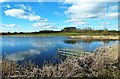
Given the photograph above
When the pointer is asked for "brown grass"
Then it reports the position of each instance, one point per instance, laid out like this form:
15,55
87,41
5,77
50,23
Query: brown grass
102,63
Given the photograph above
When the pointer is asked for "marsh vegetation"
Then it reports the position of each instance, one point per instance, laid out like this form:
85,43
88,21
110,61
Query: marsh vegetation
103,63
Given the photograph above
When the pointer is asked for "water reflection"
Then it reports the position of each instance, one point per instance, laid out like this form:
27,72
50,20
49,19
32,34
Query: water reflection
70,41
40,49
22,55
44,42
74,41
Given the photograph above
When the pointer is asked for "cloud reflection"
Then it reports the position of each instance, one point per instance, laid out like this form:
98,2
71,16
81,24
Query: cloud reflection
45,43
22,55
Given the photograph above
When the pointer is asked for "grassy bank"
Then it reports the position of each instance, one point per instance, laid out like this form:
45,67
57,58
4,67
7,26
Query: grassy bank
61,34
103,63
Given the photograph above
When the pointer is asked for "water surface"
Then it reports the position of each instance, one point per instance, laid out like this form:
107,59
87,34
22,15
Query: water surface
44,49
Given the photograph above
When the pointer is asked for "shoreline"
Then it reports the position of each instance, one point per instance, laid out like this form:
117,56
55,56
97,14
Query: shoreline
86,37
68,34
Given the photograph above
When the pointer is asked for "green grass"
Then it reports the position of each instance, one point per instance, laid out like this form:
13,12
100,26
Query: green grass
59,34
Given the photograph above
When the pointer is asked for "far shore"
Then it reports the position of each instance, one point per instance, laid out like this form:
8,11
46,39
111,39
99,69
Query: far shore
110,37
72,36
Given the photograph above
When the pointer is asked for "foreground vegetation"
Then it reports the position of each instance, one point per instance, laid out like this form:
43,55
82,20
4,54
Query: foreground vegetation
103,63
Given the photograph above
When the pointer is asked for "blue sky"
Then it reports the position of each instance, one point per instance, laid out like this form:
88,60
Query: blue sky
36,16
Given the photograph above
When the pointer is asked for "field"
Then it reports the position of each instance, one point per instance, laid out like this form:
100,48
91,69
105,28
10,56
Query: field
61,34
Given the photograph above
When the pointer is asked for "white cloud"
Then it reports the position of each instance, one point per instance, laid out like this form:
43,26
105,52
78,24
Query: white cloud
40,0
81,23
88,1
44,25
3,0
81,10
34,17
60,0
88,9
14,12
9,25
85,10
73,20
63,7
20,13
115,7
113,15
25,12
104,25
57,13
40,24
7,6
77,22
24,7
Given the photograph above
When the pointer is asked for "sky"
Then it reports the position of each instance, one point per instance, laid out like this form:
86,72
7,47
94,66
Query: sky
36,16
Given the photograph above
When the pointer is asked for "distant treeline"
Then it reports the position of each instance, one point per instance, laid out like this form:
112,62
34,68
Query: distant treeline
86,30
40,32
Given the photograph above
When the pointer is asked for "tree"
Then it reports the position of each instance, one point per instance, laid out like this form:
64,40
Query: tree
105,31
87,28
69,29
15,32
8,33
